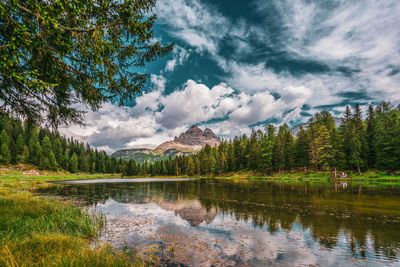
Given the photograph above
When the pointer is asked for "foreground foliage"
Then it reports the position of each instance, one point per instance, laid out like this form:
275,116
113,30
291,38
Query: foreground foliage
55,54
36,231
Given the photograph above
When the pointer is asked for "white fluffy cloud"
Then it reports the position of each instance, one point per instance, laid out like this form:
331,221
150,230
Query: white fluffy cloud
157,118
194,104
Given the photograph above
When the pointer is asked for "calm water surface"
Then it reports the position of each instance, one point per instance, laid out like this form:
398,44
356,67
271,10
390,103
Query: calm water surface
248,222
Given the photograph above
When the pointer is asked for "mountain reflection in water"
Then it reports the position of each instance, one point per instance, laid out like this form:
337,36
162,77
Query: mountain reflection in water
223,222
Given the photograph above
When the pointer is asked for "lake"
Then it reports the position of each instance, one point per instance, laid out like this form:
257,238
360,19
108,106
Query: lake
218,222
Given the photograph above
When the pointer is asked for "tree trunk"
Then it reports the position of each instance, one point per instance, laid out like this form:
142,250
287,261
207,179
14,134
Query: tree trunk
305,168
335,173
359,170
393,173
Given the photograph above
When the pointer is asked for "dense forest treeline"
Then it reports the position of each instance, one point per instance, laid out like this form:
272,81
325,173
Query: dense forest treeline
21,142
357,144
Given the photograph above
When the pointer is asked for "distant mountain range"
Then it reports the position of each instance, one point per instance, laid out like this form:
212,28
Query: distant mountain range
187,143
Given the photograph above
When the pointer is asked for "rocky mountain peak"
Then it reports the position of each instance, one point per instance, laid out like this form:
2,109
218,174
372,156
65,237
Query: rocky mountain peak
194,138
209,134
187,143
194,130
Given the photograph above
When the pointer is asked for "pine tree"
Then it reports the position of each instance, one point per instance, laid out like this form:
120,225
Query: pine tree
230,161
266,156
213,164
204,164
13,151
388,141
281,150
320,147
222,163
58,151
53,165
73,163
4,138
337,158
302,149
20,147
236,147
197,166
83,162
25,156
358,156
47,159
355,151
370,137
65,161
346,131
5,156
289,150
191,167
254,156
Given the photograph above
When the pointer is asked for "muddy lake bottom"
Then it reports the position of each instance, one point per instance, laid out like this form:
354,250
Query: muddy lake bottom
211,222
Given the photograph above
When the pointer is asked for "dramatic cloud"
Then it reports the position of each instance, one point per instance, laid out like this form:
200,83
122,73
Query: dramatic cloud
240,66
194,22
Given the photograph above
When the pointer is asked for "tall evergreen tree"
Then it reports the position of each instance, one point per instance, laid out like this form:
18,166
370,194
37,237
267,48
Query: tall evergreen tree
346,131
267,150
20,147
5,155
302,149
191,167
320,147
73,163
370,137
388,141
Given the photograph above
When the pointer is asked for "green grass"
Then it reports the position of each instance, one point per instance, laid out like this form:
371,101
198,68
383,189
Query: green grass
24,215
38,231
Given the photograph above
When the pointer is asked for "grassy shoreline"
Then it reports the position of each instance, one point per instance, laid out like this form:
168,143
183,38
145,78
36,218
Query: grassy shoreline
38,231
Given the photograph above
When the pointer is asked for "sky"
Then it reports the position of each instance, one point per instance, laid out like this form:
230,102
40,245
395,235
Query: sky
240,65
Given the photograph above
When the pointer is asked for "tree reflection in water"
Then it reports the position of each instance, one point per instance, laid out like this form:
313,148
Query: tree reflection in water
362,215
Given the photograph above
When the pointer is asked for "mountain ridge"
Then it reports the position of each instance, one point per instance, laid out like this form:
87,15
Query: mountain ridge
186,143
